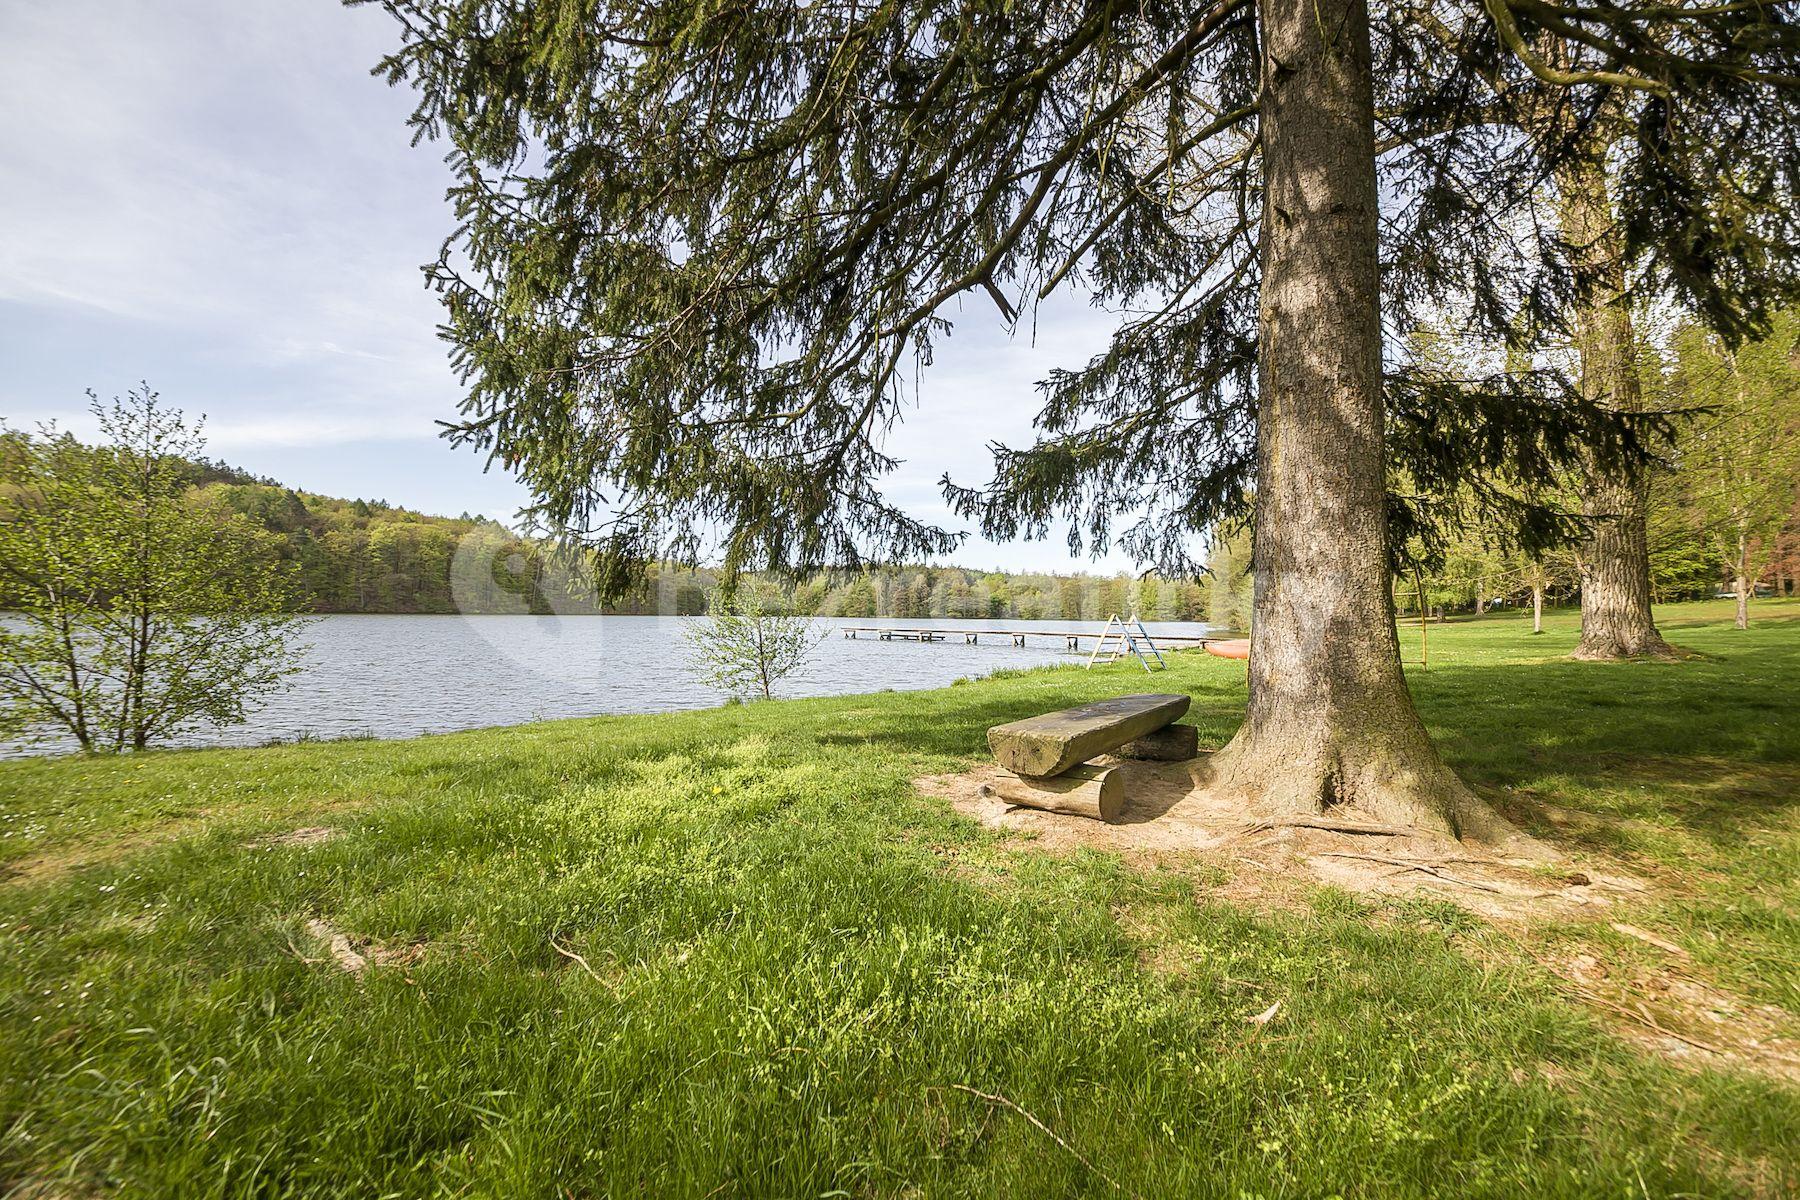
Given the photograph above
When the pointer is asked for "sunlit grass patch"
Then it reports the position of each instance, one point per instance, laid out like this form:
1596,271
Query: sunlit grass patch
736,953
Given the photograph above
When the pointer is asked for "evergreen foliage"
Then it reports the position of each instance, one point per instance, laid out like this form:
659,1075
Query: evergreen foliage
699,251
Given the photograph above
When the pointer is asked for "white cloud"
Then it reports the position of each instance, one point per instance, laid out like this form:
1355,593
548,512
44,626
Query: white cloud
215,195
223,168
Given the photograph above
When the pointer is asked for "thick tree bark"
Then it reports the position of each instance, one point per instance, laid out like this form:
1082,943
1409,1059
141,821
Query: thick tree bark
1616,621
1330,724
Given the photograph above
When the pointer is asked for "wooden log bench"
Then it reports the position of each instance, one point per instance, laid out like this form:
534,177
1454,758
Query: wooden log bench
1046,757
1049,745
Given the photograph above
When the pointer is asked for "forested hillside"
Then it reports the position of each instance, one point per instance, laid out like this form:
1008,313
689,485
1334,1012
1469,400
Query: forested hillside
368,556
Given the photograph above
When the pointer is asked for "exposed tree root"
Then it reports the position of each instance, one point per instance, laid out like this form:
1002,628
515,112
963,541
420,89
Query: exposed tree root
1414,864
1173,811
1650,648
1368,781
1331,826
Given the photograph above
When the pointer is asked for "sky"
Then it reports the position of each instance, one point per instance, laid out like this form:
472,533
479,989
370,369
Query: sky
216,197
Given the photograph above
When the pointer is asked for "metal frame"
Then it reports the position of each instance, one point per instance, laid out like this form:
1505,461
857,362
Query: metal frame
1128,643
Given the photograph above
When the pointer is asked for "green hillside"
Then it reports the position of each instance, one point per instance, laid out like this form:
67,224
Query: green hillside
368,556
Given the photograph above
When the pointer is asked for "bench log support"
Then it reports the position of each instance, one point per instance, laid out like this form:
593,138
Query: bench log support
1081,791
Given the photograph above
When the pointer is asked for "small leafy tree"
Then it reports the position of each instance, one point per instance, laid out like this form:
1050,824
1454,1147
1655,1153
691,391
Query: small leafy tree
1743,457
750,643
1230,585
141,607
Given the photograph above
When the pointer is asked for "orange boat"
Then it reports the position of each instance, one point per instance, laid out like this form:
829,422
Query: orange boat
1233,648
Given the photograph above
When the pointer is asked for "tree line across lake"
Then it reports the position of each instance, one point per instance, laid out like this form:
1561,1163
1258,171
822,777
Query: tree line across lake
369,556
1725,506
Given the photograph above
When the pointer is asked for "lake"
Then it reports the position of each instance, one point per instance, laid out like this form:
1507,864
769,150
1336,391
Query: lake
400,676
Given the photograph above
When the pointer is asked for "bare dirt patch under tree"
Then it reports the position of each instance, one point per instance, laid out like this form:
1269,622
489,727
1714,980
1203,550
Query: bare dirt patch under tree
1655,1000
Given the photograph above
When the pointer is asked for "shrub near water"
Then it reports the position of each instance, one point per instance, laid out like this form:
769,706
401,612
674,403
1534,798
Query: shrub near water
732,952
138,609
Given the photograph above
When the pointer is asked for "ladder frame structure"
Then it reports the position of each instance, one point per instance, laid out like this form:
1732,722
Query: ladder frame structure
1133,639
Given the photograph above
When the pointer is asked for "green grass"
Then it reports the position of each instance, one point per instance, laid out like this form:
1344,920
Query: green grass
793,965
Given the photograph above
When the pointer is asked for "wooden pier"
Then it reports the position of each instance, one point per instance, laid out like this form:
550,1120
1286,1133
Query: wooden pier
1072,638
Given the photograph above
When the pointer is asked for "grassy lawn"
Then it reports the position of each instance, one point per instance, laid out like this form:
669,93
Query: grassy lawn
732,953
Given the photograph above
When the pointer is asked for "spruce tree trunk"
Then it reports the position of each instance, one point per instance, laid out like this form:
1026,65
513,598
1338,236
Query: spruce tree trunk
1330,724
1616,621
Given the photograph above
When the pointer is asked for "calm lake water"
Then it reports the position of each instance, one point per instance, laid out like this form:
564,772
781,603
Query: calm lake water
400,676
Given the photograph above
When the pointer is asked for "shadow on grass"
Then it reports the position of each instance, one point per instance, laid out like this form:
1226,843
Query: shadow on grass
958,728
1711,744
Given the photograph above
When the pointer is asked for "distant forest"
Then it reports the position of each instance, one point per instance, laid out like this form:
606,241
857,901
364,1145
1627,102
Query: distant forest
368,556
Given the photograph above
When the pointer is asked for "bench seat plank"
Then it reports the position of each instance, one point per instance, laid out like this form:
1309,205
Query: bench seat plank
1038,747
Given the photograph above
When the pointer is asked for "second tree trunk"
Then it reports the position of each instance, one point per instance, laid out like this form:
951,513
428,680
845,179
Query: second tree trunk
1616,621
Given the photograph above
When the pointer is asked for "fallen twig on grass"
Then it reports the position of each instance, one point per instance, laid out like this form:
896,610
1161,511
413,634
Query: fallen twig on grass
1331,826
570,954
1644,935
1424,867
1642,1017
996,1098
296,952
